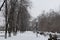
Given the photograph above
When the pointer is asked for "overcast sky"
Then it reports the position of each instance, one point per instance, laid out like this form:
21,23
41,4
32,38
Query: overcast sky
2,22
39,5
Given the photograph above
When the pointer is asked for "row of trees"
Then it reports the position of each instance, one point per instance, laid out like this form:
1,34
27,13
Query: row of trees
17,15
49,21
18,18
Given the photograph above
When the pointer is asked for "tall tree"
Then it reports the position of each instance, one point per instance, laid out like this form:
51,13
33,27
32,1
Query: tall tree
23,15
12,16
18,15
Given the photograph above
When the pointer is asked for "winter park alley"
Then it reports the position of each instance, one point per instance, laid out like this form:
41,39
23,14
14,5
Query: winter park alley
29,20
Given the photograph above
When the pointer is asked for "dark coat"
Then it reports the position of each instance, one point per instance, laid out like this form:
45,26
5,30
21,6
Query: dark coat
50,39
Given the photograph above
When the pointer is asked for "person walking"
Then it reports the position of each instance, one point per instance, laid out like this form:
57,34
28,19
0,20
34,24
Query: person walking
50,37
55,37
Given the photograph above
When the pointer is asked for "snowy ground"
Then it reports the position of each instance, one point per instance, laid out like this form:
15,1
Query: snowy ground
25,36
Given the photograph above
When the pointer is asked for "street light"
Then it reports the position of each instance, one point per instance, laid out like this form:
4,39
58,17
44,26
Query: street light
6,18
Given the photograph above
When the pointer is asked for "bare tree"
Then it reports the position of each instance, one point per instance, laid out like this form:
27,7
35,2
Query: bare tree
18,15
50,22
23,15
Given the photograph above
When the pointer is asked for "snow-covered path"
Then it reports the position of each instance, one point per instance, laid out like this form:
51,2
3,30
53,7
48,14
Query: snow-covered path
26,36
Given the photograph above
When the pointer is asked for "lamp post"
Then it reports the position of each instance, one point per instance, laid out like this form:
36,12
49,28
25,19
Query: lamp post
6,19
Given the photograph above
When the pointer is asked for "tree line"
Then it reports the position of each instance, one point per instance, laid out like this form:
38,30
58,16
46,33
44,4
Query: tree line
17,15
49,21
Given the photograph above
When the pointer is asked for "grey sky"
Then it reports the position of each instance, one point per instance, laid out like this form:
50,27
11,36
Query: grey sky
39,5
2,19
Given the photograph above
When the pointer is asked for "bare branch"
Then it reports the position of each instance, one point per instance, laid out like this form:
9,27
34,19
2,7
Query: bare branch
2,5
